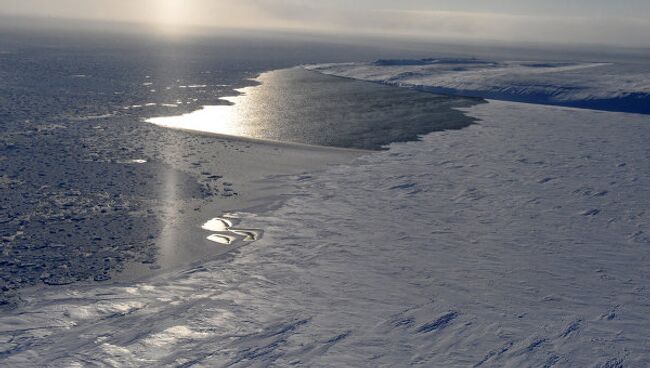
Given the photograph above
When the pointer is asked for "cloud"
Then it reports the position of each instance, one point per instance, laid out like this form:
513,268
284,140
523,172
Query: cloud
463,25
364,17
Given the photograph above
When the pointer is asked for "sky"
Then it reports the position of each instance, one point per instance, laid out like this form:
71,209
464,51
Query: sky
614,22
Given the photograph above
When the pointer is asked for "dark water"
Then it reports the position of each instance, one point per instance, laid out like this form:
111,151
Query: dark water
74,205
296,105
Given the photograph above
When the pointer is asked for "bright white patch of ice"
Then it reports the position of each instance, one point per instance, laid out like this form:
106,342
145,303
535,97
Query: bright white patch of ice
468,248
133,161
194,86
92,117
217,224
227,234
222,238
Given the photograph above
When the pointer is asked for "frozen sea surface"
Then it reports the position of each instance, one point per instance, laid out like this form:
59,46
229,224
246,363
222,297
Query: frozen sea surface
619,85
522,240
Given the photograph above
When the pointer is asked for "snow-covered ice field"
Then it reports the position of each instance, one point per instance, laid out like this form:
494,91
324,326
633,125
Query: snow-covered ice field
522,240
611,86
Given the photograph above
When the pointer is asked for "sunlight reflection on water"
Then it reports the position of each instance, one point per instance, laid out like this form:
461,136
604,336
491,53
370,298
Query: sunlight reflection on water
219,119
300,106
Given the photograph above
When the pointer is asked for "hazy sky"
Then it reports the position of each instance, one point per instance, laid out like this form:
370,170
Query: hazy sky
618,22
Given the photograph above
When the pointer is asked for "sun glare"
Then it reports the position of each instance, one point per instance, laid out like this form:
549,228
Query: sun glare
171,14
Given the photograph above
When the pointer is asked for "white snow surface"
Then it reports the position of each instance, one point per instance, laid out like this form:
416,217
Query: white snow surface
520,241
530,80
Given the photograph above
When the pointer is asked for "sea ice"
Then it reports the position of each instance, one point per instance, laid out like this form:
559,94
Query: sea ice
614,86
451,251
